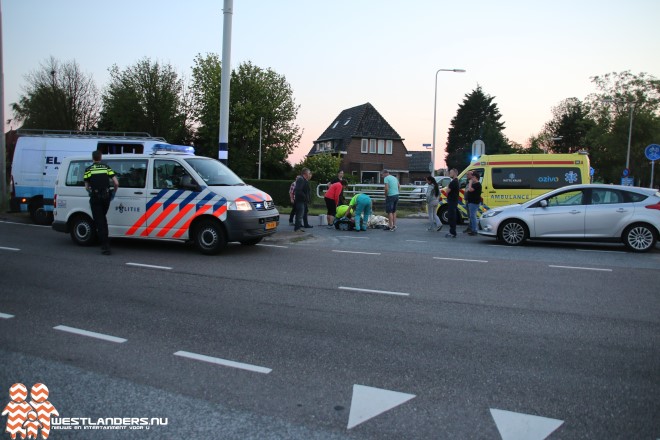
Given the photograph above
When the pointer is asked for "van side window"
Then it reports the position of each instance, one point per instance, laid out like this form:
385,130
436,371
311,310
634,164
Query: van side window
535,177
129,173
75,173
168,174
120,148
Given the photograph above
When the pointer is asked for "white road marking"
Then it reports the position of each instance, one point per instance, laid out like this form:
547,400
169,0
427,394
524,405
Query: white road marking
9,248
356,252
384,292
581,268
518,426
6,316
418,241
368,402
460,259
148,266
594,250
274,245
81,332
223,362
353,236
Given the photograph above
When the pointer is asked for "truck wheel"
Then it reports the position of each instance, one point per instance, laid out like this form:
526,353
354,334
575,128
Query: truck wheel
209,237
639,237
83,230
39,215
513,233
252,241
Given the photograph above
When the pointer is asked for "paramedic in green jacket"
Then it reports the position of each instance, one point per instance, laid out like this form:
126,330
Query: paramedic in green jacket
361,204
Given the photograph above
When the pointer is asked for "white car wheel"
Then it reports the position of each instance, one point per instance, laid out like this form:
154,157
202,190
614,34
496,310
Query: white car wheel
513,233
639,238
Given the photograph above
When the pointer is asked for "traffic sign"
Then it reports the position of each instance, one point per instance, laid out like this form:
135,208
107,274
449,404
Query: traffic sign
626,172
478,148
652,152
427,145
627,181
591,171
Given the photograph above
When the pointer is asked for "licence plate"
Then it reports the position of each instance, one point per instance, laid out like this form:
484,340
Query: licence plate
271,225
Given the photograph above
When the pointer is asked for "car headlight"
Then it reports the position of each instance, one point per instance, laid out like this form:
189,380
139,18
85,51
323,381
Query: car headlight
489,214
240,205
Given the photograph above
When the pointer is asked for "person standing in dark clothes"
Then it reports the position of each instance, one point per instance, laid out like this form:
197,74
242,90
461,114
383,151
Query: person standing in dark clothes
302,198
452,201
473,198
97,183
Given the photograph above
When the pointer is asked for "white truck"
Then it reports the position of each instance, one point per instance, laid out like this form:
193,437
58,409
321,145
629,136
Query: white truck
39,154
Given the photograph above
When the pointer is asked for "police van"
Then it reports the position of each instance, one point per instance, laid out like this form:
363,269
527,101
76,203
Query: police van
516,178
169,194
39,155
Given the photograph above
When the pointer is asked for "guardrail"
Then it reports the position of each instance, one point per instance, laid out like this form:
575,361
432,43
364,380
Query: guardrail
408,193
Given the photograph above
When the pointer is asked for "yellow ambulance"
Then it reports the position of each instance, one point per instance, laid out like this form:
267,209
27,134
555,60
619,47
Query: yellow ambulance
515,178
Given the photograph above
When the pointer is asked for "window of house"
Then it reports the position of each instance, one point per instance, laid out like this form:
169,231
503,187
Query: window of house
347,121
335,124
388,147
372,146
328,146
381,146
364,148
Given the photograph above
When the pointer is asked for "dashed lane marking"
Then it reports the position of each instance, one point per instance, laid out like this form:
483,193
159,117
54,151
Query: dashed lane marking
89,334
581,268
356,252
352,237
6,316
9,248
460,259
149,266
383,292
223,362
274,246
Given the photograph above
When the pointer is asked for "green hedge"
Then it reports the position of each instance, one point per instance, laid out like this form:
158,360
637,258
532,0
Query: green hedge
278,189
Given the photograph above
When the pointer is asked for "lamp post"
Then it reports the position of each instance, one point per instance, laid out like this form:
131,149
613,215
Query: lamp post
632,109
435,107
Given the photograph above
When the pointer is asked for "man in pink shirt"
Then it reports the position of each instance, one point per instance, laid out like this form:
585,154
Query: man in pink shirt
332,196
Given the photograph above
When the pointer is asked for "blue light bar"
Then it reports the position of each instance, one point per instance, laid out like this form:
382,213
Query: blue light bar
183,149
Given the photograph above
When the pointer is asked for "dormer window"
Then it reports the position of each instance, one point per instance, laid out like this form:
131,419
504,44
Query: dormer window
335,124
347,121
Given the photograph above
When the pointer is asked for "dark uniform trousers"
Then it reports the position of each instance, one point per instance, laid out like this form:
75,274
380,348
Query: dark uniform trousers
99,202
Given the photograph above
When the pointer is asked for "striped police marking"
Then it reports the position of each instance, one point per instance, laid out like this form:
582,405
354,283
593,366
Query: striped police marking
6,316
9,249
382,292
460,259
355,252
580,268
89,334
223,362
148,266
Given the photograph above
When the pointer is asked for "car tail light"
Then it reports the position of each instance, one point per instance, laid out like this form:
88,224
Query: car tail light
656,206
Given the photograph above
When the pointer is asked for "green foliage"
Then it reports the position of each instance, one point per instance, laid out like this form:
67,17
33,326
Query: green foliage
324,166
58,97
255,93
477,118
279,189
568,129
147,96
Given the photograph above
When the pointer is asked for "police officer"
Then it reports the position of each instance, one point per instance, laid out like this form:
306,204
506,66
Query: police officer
97,183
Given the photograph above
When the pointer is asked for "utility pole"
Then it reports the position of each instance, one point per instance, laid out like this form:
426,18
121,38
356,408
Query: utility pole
3,147
223,142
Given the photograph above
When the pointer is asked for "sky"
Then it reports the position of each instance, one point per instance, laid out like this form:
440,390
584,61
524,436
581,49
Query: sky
342,53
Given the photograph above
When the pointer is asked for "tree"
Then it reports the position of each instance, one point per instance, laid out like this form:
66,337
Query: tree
58,96
477,118
147,97
324,166
255,93
568,129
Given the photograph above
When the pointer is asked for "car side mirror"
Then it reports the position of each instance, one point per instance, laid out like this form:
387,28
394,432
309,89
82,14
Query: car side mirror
543,203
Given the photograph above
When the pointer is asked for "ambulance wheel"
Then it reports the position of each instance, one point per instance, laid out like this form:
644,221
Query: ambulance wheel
83,231
252,241
513,233
39,215
442,213
209,237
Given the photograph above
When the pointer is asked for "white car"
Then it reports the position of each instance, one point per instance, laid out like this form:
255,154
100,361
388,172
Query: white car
588,212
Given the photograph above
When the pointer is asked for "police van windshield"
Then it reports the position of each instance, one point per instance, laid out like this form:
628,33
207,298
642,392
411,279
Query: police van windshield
214,173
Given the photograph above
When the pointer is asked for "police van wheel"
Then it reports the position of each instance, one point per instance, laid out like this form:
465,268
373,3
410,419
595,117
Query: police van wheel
83,231
209,237
639,237
513,233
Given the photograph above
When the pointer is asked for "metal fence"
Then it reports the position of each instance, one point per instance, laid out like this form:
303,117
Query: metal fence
408,193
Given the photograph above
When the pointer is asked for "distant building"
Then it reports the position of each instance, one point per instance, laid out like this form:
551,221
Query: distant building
366,143
419,166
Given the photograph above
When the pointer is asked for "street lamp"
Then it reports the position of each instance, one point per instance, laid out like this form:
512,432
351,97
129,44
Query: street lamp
435,107
632,108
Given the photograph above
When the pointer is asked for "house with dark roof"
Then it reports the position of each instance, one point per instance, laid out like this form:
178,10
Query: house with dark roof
366,143
419,165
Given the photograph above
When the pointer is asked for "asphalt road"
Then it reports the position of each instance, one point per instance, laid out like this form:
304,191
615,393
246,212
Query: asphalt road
463,339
